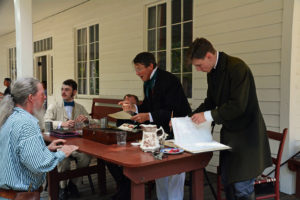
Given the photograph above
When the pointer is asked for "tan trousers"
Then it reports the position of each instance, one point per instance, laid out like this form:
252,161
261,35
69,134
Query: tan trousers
81,159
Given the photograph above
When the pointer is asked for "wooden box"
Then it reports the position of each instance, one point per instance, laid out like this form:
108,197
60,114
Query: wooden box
108,135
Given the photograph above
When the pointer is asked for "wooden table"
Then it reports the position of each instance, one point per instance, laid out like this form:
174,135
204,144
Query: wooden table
294,165
138,166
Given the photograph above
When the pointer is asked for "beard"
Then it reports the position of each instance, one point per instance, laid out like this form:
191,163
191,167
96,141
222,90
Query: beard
39,114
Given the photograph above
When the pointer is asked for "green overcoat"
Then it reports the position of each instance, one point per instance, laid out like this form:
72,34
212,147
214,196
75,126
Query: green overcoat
232,99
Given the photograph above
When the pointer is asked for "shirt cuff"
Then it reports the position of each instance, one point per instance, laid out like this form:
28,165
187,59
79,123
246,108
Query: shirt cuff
150,117
136,109
60,155
207,116
59,125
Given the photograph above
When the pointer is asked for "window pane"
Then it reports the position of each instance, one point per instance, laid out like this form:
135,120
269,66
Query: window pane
176,36
92,86
82,86
161,15
176,11
84,52
97,86
187,10
161,60
187,84
151,17
79,37
151,40
97,32
79,70
84,69
97,50
176,60
161,39
94,69
92,39
187,66
187,34
97,69
84,36
92,46
79,53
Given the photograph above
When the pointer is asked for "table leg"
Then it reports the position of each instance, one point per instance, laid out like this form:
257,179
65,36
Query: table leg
137,191
298,183
197,184
53,184
101,176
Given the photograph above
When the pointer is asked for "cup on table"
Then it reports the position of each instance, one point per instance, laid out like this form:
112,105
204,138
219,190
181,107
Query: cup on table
94,123
48,127
121,138
78,127
103,122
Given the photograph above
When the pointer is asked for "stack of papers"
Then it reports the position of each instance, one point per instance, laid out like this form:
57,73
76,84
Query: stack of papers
194,138
120,115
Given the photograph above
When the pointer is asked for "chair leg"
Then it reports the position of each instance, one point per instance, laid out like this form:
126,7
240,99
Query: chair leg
219,188
277,190
91,184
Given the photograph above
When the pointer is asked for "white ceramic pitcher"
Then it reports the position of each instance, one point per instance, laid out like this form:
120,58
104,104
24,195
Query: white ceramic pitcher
150,141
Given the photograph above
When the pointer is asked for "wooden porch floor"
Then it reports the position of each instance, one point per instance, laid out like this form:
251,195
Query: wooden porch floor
86,193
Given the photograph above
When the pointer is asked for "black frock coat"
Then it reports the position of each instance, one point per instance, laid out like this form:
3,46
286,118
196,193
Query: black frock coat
167,96
232,99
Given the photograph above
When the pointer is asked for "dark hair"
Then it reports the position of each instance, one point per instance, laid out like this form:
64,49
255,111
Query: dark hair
132,95
145,58
7,79
44,83
199,48
71,82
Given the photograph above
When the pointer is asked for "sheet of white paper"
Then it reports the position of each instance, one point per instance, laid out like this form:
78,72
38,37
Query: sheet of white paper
120,115
194,138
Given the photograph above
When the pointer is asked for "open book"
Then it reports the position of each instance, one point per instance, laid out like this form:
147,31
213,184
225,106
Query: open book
194,138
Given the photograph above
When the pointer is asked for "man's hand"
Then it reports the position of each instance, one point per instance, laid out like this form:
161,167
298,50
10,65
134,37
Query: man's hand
198,118
56,144
141,117
69,124
82,118
127,106
68,149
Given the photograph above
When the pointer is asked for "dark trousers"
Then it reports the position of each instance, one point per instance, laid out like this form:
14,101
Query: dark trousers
123,183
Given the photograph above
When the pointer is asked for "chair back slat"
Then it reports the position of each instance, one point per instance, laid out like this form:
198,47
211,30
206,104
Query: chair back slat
275,135
103,107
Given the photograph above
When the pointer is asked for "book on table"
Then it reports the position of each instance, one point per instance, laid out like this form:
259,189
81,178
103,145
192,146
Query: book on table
194,138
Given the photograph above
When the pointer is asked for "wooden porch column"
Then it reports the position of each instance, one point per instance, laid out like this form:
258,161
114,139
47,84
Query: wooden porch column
23,22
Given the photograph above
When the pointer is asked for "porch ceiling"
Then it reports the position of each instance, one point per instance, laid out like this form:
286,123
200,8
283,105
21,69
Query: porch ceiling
40,9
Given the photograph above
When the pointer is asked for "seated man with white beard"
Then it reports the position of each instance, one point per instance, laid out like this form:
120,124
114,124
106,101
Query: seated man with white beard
25,159
66,114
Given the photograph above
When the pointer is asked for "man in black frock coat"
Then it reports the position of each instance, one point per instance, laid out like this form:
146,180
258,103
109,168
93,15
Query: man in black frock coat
164,95
232,102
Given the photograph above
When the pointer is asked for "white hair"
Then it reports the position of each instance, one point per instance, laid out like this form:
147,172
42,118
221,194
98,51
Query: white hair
20,91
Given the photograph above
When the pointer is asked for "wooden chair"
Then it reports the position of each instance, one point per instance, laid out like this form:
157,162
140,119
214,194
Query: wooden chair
263,179
103,107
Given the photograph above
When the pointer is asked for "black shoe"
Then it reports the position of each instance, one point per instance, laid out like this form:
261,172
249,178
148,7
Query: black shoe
73,190
63,194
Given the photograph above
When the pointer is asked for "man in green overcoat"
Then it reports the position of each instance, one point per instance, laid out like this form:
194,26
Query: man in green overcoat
232,102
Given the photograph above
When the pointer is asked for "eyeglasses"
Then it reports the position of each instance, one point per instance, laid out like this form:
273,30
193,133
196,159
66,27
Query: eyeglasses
139,69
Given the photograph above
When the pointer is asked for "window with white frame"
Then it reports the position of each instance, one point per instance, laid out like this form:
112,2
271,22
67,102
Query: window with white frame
12,63
87,60
171,54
